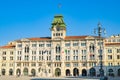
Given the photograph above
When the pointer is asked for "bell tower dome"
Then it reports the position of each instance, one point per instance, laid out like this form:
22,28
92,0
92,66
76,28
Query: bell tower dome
58,29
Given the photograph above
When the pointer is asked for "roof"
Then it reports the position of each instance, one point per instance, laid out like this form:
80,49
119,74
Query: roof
40,38
107,44
49,38
7,46
79,37
58,20
75,37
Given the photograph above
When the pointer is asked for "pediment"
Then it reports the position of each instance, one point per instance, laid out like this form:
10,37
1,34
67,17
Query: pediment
58,38
90,37
25,39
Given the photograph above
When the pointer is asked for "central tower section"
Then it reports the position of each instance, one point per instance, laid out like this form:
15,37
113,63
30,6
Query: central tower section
58,29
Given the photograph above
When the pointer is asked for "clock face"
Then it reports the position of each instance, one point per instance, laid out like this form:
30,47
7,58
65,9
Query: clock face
58,28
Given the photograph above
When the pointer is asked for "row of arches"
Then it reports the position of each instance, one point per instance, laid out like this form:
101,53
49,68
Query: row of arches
26,71
92,72
4,71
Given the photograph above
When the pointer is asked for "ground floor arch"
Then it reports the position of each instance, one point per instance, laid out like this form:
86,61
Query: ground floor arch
118,72
3,71
110,72
75,72
33,72
25,71
18,72
92,72
84,72
11,72
57,72
67,72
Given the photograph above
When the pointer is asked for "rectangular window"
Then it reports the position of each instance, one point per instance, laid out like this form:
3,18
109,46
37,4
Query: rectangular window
58,57
118,56
11,52
67,64
26,57
84,64
19,52
33,58
83,44
18,64
84,51
100,51
83,57
4,64
34,45
33,52
18,57
118,50
100,43
67,44
4,53
11,57
109,57
41,45
4,58
19,45
48,45
75,64
75,44
33,64
67,58
109,50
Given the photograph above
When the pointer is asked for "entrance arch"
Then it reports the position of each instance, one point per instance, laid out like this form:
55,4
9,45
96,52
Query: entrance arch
111,72
18,72
57,72
84,72
11,72
118,72
3,72
25,71
92,72
75,72
33,72
67,72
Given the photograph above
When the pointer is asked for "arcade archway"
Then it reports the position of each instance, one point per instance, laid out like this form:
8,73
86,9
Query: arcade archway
92,72
57,72
75,72
67,72
84,72
25,71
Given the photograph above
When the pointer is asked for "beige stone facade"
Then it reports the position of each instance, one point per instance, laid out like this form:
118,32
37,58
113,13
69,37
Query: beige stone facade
59,55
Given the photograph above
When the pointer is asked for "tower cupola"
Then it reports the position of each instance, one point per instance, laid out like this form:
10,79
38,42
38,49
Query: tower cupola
58,29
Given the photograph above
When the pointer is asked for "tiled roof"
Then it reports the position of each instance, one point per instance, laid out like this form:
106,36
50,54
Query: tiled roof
49,38
107,44
40,38
8,46
75,37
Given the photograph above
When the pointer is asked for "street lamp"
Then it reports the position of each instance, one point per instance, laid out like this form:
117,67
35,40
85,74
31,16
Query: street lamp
99,30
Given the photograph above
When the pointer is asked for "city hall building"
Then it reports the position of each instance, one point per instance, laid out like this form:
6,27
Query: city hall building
60,55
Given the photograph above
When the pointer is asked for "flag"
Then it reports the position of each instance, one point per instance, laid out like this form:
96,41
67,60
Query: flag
65,51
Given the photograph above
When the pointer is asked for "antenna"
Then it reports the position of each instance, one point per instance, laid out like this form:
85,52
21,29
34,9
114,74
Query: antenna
59,7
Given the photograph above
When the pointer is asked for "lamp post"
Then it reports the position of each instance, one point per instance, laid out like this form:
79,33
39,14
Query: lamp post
99,30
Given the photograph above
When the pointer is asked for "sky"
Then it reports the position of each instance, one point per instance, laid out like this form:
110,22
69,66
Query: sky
32,18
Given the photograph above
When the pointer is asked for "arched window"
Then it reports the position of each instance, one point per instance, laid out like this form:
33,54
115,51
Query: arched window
27,49
58,49
91,47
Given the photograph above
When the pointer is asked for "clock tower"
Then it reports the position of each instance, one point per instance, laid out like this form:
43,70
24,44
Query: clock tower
58,29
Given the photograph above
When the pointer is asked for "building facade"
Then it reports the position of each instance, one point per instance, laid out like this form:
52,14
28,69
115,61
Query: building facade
60,55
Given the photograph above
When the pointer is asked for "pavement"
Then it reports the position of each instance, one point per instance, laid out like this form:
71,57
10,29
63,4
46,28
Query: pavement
60,78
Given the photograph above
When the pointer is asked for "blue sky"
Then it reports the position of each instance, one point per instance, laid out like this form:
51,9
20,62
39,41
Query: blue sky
32,18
